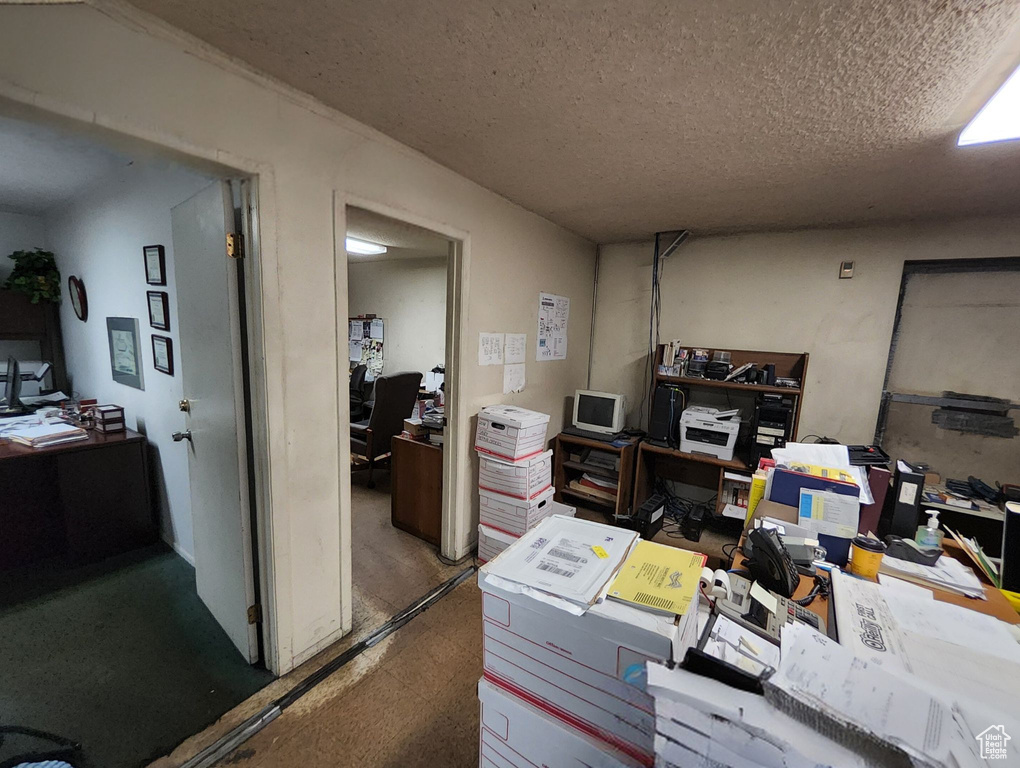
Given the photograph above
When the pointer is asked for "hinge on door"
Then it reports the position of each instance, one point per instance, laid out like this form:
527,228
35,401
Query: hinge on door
235,245
254,614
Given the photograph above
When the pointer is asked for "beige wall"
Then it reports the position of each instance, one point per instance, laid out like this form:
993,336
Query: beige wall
140,78
780,292
98,237
410,296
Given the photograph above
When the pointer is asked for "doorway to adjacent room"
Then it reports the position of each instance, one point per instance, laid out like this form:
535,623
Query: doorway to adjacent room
401,294
129,542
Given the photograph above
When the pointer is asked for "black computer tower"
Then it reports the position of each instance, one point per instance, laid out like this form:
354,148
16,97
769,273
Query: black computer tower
772,425
667,405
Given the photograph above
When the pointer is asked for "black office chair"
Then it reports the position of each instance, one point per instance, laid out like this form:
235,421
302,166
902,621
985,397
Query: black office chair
358,392
394,397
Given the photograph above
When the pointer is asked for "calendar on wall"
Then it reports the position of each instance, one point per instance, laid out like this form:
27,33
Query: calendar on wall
365,338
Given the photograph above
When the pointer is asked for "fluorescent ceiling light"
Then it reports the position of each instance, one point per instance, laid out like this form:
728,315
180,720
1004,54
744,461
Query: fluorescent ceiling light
363,247
999,119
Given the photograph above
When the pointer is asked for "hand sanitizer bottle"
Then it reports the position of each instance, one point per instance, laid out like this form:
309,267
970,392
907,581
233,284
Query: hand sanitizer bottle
930,535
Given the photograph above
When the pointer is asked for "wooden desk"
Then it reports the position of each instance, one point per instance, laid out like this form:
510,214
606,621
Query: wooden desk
416,495
996,605
85,501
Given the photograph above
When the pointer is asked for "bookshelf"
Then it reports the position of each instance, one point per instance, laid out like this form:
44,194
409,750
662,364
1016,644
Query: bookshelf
569,465
705,471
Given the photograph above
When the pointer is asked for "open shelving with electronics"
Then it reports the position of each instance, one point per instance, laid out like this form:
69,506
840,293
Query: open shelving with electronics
701,469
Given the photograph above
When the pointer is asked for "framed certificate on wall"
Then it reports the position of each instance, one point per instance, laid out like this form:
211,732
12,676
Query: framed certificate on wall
163,354
155,264
159,309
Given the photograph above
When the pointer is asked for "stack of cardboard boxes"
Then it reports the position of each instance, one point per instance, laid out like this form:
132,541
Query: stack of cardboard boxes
564,682
514,476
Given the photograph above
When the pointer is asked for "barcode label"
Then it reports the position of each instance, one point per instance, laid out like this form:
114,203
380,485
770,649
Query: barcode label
562,554
544,566
654,601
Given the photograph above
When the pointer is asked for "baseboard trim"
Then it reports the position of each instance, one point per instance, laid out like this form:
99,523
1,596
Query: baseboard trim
177,548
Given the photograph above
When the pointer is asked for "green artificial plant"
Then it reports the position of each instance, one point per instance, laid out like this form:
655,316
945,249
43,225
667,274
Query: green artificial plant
35,275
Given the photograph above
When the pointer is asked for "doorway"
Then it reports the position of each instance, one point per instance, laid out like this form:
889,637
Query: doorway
128,559
402,282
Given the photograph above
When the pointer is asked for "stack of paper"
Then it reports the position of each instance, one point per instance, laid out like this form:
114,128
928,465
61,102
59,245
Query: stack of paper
659,578
977,554
564,557
830,688
948,574
45,435
901,628
702,723
739,646
825,455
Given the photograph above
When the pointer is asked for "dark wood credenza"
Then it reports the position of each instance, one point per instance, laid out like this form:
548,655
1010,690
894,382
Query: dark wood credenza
416,503
83,501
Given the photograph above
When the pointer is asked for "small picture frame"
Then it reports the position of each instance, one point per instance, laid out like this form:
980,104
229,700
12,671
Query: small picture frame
159,309
125,351
163,354
155,264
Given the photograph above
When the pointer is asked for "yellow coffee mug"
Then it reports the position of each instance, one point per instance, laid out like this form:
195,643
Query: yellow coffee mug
866,557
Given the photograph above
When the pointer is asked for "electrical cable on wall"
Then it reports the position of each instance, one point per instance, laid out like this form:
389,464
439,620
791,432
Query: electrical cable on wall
659,255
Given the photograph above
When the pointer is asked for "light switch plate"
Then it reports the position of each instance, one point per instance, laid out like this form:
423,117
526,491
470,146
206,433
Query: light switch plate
846,270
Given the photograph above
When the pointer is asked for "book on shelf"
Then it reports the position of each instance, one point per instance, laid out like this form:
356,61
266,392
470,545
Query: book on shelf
599,483
595,492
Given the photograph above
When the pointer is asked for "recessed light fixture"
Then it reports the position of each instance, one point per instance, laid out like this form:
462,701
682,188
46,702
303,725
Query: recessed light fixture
999,119
363,247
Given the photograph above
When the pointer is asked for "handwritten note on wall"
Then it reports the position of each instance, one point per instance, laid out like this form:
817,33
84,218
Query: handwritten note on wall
490,348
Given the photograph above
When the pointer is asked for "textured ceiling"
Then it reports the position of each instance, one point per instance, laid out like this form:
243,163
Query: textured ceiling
404,241
41,167
617,119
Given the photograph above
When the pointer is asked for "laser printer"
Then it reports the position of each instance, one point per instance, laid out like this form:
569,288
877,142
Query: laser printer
709,431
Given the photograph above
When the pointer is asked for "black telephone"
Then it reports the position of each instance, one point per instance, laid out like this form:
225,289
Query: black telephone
770,563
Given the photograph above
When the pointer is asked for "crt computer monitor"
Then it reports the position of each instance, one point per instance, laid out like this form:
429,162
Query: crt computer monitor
599,411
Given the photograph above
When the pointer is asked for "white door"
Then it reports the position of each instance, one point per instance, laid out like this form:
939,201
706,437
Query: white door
210,370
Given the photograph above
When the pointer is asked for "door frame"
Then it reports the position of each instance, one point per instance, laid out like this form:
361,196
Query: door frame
227,167
257,426
456,289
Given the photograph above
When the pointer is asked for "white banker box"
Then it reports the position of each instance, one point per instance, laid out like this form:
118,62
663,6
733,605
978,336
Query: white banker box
511,515
514,734
492,541
510,432
588,670
522,479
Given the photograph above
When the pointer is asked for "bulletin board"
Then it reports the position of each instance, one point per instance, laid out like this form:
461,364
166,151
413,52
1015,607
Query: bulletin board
366,337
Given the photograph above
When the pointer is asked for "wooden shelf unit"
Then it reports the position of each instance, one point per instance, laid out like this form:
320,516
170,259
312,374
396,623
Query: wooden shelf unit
566,469
703,470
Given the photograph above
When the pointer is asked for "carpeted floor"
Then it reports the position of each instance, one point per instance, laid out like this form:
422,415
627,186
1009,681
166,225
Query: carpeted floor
122,657
410,700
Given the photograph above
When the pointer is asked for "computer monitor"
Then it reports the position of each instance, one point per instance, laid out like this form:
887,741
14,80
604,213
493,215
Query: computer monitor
12,390
599,411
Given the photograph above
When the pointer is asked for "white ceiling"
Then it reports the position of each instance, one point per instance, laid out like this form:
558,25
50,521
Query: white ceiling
622,117
403,241
41,167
